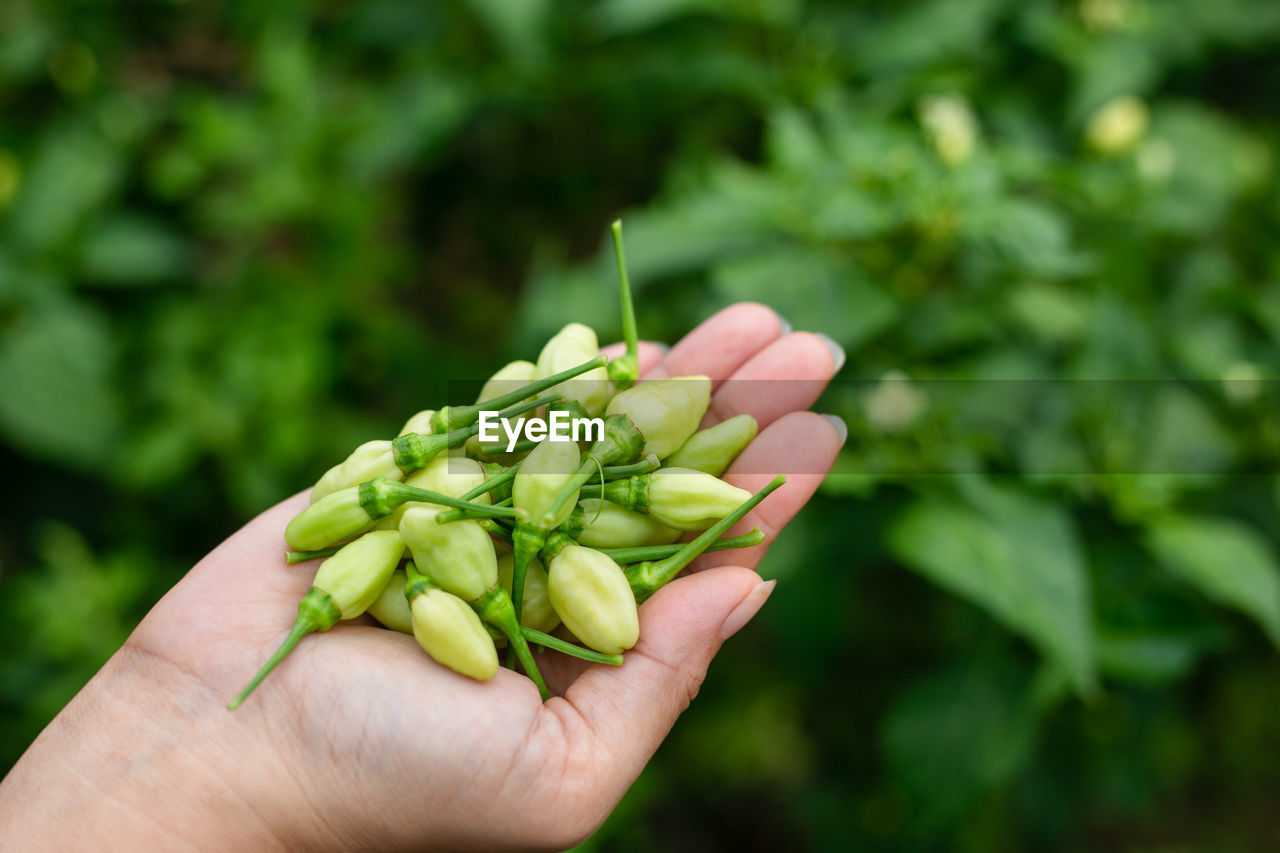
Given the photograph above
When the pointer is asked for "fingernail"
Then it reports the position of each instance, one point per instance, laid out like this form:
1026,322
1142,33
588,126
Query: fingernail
838,424
746,609
663,348
837,351
784,325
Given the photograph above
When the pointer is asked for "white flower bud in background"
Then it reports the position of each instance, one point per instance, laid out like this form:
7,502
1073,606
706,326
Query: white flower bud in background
1117,126
950,126
894,404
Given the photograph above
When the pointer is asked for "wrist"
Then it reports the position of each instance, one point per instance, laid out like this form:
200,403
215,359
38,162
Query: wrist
146,756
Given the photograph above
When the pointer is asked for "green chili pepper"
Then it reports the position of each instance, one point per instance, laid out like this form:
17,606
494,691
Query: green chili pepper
456,417
369,460
447,475
570,346
345,513
459,557
344,587
591,595
419,423
666,411
712,450
647,577
414,450
448,629
537,612
543,474
391,608
509,377
604,524
625,370
677,497
641,553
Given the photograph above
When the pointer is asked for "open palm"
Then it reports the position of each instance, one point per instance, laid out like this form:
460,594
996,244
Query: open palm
359,739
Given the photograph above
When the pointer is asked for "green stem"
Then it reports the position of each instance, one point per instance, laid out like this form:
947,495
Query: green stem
620,441
414,450
460,514
381,497
495,607
292,557
625,371
559,645
316,612
644,466
454,417
657,552
493,483
646,578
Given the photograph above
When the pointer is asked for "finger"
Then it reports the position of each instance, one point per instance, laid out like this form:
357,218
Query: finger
786,376
650,353
624,713
801,445
721,344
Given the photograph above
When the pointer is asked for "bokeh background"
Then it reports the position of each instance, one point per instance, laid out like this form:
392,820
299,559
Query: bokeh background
239,238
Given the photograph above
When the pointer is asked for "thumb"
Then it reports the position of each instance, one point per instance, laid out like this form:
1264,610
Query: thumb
630,709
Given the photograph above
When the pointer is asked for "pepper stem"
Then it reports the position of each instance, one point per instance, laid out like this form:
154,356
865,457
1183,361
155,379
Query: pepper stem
657,552
624,371
495,607
316,612
646,578
559,645
492,483
292,557
620,441
381,497
455,417
644,466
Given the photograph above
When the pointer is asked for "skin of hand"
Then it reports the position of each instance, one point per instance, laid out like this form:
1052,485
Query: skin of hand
359,740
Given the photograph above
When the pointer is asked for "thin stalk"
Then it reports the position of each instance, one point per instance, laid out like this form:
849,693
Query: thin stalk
454,417
625,371
556,644
292,557
641,553
493,483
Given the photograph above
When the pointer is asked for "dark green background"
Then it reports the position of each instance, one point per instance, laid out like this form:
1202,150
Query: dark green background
237,239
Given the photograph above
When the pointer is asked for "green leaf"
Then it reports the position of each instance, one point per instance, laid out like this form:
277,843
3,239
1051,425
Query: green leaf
130,251
955,736
74,173
1226,560
1015,556
58,400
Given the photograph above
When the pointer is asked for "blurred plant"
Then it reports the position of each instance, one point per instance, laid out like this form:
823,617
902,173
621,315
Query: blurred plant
237,241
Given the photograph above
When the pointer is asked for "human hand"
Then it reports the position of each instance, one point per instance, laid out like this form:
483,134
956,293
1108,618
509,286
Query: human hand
359,740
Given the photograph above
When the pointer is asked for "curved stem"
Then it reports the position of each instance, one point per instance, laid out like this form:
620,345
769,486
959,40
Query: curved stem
556,644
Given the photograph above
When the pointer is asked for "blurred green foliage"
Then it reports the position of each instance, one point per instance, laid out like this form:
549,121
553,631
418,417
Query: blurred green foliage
238,238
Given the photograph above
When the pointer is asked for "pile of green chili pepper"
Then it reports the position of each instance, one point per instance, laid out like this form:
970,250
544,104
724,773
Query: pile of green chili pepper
470,545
